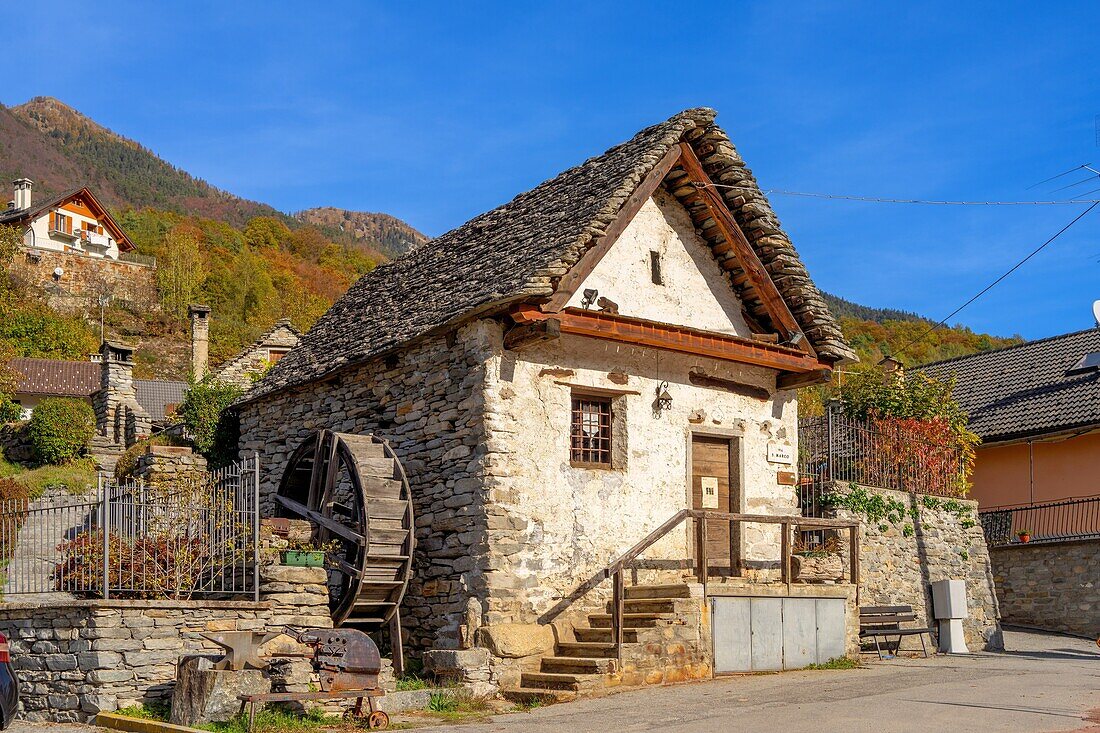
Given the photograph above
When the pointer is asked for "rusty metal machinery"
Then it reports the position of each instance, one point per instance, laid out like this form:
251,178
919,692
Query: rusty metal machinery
353,490
345,659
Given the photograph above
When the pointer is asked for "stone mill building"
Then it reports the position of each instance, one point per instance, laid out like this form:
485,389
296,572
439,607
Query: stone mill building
561,375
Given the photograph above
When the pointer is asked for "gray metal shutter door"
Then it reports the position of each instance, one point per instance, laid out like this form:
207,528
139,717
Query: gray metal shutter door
767,634
831,629
732,635
799,632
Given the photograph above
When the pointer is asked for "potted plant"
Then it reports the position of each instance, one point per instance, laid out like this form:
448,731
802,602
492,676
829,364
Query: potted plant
1024,535
306,555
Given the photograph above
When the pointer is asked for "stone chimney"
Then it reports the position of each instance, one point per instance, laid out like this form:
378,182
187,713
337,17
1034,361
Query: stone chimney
23,193
119,417
200,339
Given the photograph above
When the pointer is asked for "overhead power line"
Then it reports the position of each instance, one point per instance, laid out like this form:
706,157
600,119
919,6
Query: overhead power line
993,284
881,200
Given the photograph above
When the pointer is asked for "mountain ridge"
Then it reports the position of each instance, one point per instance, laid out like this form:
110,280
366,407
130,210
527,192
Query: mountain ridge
58,147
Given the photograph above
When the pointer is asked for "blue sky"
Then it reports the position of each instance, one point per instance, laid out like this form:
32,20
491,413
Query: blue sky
435,112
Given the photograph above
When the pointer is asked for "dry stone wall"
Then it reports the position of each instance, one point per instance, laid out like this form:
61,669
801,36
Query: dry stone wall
77,658
427,401
900,559
1053,586
83,278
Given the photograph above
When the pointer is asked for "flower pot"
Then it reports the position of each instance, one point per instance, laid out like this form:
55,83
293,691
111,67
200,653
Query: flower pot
304,558
1025,538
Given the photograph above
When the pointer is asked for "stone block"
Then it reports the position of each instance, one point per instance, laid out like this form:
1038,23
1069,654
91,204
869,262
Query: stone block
514,641
60,662
98,660
104,676
288,574
206,695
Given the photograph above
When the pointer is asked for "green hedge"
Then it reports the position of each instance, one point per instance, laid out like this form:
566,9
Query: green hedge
60,429
9,411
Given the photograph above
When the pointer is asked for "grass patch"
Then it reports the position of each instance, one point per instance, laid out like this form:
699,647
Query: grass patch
838,663
529,703
276,720
458,704
76,477
411,682
146,711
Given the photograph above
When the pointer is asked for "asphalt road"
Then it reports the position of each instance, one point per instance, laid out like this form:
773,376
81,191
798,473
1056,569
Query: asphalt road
1043,683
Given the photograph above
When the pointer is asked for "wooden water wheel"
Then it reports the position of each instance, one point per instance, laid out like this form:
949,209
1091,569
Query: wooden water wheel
354,492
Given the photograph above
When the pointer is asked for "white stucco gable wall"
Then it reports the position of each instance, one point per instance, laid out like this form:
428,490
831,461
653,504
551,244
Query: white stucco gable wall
695,291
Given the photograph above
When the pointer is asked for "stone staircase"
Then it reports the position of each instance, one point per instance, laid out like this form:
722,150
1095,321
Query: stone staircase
588,664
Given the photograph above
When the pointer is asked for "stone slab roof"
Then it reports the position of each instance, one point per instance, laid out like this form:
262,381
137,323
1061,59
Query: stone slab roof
1027,390
518,252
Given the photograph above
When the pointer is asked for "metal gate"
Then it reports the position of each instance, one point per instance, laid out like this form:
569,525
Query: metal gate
771,634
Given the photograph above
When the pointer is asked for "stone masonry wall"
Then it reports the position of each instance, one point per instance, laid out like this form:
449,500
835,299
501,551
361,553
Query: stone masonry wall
77,658
900,560
1052,586
85,278
427,402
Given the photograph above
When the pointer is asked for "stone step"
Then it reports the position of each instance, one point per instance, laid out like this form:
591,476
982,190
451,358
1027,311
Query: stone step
588,634
630,620
648,605
671,590
555,681
585,649
524,695
577,665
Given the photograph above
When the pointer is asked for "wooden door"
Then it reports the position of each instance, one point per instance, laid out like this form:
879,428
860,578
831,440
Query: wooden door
714,487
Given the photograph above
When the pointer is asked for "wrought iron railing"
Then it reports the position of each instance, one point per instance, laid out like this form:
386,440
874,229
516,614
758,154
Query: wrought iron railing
1059,521
194,536
835,447
138,259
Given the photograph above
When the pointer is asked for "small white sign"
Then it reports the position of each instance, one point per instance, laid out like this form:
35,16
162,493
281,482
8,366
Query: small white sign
710,491
780,453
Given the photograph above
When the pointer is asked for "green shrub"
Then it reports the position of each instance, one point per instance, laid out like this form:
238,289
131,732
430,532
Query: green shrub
212,428
60,429
9,411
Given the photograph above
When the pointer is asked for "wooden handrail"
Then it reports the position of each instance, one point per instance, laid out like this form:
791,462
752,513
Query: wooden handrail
615,569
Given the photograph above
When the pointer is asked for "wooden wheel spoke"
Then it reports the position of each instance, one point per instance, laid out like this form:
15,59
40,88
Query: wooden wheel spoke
327,523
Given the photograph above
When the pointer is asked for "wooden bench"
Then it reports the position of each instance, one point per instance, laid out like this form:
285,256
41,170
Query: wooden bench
376,718
885,622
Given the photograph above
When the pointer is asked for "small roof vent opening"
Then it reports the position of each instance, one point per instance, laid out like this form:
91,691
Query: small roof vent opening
1087,363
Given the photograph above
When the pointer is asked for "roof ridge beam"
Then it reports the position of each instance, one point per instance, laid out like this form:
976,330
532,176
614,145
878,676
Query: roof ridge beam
758,275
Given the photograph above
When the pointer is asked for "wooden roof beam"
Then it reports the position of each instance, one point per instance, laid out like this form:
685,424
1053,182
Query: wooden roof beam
769,294
640,332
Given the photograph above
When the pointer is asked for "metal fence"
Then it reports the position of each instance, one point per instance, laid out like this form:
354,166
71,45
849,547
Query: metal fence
835,447
1060,521
190,536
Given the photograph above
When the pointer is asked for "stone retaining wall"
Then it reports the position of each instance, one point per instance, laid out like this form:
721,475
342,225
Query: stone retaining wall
84,278
77,658
1052,586
900,560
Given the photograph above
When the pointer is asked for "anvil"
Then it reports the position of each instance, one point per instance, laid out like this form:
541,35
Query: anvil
242,648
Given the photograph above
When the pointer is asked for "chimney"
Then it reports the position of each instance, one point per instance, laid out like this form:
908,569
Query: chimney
116,390
23,193
200,339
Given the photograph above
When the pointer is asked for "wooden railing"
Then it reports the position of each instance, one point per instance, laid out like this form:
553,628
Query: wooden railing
703,518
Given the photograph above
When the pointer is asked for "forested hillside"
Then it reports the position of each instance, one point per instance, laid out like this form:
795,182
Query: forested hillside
59,148
878,332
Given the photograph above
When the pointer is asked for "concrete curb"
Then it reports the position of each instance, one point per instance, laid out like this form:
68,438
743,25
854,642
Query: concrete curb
115,721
